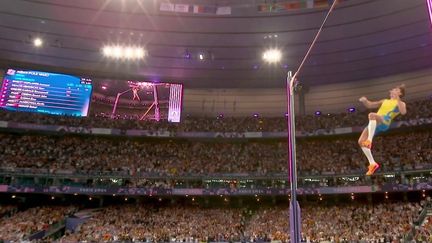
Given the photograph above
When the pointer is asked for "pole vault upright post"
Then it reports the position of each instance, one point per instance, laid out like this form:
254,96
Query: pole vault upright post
116,102
295,219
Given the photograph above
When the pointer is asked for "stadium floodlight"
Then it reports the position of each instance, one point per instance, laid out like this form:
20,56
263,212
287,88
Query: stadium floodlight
139,53
272,55
201,56
107,51
129,53
37,42
123,52
187,55
117,52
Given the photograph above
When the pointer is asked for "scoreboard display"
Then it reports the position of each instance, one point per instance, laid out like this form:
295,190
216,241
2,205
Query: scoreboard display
44,92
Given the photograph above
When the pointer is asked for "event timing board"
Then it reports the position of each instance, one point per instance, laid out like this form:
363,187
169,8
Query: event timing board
44,92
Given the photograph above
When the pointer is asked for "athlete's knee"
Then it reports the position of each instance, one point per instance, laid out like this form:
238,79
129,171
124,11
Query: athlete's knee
360,142
372,116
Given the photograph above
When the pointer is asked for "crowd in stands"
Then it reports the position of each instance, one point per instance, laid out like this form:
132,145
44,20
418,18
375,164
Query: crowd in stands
307,123
7,210
146,223
22,224
341,155
383,222
424,232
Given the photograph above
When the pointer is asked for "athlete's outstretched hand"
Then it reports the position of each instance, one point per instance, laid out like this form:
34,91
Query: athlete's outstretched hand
363,99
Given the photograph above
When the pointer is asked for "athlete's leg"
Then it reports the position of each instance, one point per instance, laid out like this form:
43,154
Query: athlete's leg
366,148
363,136
366,151
374,119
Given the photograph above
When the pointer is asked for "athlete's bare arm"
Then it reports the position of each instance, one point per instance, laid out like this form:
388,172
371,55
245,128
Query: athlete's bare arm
370,104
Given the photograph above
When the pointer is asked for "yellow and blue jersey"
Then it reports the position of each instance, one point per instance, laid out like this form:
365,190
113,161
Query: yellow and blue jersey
388,110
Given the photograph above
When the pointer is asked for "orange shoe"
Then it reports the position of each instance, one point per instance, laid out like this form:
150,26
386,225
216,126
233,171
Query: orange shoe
372,169
367,144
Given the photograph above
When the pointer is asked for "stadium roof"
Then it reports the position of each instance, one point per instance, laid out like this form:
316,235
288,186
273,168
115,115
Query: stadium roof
363,39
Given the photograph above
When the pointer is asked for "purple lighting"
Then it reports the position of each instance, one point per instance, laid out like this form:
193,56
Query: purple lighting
317,113
104,87
429,4
352,109
256,115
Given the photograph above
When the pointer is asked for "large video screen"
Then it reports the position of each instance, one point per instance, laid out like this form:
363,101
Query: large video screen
44,92
162,101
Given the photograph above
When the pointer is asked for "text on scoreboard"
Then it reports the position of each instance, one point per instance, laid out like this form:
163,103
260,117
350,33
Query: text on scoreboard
44,92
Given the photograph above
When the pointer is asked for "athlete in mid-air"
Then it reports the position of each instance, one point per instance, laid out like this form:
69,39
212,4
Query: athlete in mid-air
135,93
380,121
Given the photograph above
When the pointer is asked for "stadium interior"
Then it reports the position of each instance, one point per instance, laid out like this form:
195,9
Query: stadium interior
170,121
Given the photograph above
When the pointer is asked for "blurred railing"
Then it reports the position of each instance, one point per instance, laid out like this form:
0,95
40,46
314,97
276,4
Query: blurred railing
45,181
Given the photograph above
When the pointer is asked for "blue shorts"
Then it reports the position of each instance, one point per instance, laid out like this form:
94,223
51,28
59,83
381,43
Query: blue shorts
383,126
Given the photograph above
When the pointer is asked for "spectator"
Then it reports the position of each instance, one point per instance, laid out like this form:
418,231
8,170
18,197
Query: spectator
101,117
407,151
23,224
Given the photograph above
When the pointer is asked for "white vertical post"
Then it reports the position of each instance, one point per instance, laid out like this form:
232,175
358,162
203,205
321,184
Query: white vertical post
295,221
115,105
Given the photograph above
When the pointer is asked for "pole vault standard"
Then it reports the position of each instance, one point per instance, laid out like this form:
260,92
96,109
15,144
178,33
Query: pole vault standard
117,100
155,104
295,219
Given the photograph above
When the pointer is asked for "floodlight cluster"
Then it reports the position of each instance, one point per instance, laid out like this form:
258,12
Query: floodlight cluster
272,55
124,52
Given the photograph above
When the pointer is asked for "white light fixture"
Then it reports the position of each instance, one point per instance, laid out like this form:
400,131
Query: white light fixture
123,52
129,53
117,52
107,51
201,56
140,53
272,55
37,42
